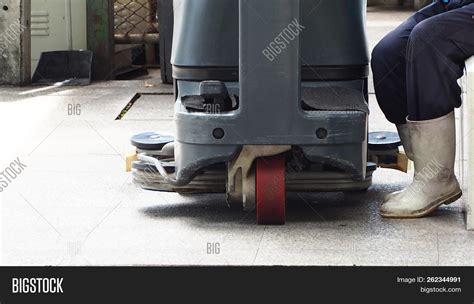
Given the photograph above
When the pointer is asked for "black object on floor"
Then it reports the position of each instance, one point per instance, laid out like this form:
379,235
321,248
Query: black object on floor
383,141
151,141
69,68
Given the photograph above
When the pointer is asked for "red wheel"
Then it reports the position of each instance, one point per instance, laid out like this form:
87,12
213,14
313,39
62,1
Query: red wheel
270,190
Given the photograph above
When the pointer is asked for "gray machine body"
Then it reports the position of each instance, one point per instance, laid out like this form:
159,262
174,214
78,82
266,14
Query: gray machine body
327,63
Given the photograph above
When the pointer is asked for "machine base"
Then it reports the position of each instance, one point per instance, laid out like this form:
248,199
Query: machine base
213,180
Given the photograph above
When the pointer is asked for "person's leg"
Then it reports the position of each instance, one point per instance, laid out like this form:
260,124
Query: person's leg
389,66
437,49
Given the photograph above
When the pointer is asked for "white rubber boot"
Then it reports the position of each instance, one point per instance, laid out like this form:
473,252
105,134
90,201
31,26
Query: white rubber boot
433,145
404,134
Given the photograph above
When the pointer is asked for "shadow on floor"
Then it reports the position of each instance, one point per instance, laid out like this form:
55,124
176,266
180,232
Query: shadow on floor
325,208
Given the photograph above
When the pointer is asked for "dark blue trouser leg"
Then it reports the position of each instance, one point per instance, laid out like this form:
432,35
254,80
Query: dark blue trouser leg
437,50
389,66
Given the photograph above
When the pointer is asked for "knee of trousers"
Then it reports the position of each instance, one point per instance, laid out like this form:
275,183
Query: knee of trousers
422,40
385,56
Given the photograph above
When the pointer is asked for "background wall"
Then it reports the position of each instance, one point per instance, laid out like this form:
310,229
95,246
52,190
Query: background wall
14,42
57,25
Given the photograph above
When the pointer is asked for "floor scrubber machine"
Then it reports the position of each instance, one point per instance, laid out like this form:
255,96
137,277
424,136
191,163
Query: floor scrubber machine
271,97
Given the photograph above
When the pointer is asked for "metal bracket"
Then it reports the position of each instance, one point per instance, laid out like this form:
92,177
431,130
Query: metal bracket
390,160
241,174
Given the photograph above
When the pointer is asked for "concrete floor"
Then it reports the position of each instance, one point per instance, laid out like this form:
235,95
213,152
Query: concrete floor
75,204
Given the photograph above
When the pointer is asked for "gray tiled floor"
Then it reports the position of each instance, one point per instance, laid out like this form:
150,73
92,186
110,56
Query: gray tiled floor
75,205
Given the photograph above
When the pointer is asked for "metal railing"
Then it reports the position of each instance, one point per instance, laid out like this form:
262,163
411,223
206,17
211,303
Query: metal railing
136,22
